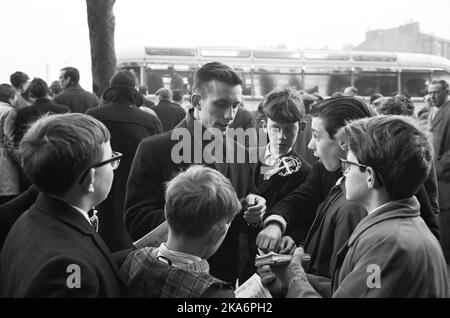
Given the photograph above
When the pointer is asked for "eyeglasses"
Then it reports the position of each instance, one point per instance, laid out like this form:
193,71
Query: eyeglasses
345,165
345,168
114,161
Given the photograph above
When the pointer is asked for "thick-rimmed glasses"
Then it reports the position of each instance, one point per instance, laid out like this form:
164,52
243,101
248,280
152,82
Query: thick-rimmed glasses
345,168
345,165
114,161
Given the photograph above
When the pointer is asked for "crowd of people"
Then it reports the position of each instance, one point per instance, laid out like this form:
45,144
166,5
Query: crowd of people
358,192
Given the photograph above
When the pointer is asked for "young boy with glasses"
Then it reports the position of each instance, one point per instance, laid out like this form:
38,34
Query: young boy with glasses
53,250
392,252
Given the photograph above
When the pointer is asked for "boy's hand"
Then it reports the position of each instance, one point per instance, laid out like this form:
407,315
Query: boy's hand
269,238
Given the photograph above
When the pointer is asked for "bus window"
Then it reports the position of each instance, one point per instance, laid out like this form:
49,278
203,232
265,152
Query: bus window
414,83
369,83
276,54
154,80
159,51
266,81
326,84
224,52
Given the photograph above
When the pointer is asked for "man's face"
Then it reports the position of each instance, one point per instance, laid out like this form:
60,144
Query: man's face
282,136
437,94
64,81
323,146
356,181
219,104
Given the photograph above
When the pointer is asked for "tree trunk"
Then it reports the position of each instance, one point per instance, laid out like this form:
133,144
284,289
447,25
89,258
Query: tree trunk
101,22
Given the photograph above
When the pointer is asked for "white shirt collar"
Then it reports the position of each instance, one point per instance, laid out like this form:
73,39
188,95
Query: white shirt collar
178,259
270,158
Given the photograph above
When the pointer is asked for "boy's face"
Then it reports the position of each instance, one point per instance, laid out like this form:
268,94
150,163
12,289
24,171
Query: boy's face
325,148
104,175
282,136
355,181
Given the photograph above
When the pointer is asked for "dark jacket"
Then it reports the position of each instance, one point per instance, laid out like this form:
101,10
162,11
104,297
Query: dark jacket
13,209
77,99
128,125
27,115
409,258
169,113
277,187
244,119
154,165
49,243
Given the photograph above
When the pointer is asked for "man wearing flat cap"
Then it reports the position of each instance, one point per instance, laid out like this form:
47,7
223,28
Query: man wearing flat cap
169,113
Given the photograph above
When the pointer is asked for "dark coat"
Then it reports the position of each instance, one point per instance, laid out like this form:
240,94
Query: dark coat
128,125
41,247
13,209
278,187
27,115
409,257
77,99
169,113
153,166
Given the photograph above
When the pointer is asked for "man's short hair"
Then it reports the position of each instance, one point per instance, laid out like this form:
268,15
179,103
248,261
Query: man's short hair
336,112
73,73
55,87
164,93
197,199
18,79
6,92
351,90
398,105
38,88
177,95
283,106
56,149
215,71
396,147
142,89
444,84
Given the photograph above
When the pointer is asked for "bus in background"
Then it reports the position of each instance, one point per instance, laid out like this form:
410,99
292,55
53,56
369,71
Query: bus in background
321,71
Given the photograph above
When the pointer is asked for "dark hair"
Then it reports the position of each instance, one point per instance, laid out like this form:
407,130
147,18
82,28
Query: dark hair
142,89
396,147
38,88
444,84
177,95
56,149
398,105
374,97
215,71
123,78
283,106
6,92
336,112
73,73
18,78
55,87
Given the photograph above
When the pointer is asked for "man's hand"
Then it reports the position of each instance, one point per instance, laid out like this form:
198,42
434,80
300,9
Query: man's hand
287,273
269,238
256,207
271,282
287,245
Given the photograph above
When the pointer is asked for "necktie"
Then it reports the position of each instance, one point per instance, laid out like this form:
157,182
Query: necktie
94,219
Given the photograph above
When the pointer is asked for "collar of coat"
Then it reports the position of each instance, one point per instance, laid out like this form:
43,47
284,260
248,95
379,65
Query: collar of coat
405,208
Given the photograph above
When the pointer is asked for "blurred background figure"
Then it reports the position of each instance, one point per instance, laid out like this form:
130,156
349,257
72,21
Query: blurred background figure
20,80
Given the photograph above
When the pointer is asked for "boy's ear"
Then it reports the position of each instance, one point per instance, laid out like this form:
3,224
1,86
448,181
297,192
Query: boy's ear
88,181
216,233
372,181
195,101
302,126
264,125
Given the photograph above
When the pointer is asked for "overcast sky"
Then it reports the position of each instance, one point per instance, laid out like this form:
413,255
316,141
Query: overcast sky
41,36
